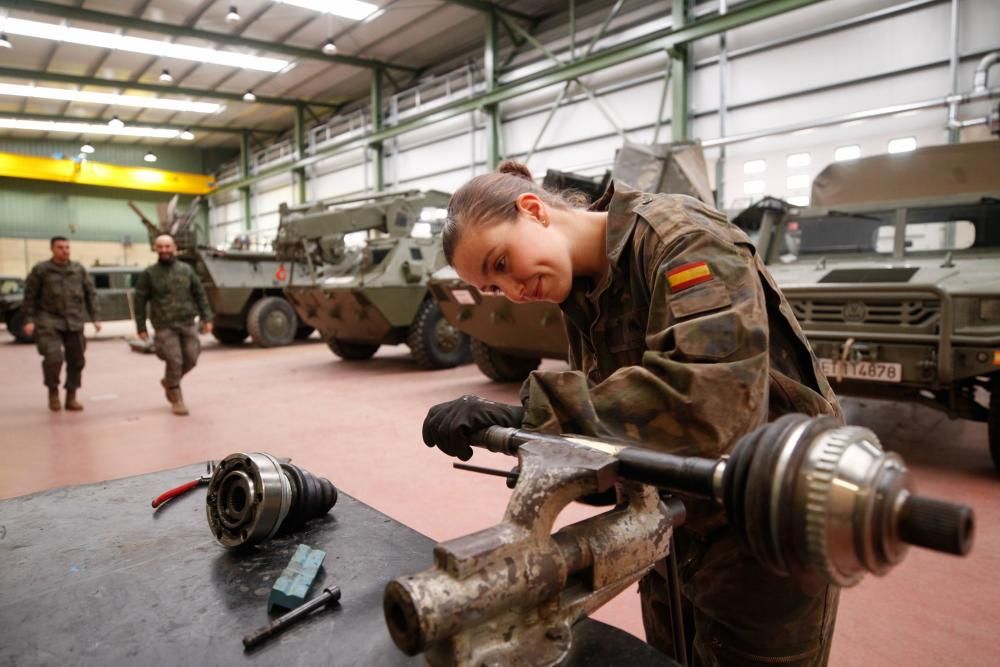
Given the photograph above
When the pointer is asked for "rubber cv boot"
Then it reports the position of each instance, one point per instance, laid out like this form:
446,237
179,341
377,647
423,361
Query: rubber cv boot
177,406
71,402
54,404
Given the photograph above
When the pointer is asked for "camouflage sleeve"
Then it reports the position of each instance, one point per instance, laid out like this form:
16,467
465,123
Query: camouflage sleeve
703,379
90,296
200,298
141,296
32,286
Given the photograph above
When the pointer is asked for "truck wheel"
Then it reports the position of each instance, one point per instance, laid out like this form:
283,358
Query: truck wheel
993,424
15,325
272,322
352,351
501,366
303,332
434,342
228,336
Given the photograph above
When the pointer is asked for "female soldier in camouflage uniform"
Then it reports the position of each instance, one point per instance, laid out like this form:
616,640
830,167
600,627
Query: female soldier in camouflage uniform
679,339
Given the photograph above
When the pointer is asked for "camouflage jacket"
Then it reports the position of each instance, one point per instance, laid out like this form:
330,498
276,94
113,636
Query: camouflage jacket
59,297
175,294
685,345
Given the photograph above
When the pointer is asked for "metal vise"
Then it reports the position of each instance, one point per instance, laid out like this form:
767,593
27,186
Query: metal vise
510,594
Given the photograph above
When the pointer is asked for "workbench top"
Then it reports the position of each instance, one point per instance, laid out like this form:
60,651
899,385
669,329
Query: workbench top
91,575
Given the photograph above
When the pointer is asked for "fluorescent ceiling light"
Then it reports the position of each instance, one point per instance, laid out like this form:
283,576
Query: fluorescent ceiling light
150,156
86,148
113,99
88,128
349,9
152,47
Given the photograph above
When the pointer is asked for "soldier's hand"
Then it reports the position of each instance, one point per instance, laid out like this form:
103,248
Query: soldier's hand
29,329
206,327
97,326
450,426
144,336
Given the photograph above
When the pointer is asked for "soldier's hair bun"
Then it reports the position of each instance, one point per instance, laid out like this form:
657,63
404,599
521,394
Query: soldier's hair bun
514,169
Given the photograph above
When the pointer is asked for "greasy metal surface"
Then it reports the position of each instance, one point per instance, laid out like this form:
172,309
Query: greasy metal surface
509,594
92,577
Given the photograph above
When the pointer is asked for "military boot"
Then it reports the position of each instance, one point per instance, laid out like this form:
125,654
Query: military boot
71,402
178,407
168,392
54,404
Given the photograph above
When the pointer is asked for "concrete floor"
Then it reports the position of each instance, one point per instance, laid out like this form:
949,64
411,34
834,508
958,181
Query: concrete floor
359,425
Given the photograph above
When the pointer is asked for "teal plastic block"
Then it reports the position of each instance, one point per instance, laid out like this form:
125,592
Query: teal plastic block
291,588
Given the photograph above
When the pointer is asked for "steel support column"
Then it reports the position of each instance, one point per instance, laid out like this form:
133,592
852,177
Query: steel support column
245,174
490,61
377,125
299,138
679,59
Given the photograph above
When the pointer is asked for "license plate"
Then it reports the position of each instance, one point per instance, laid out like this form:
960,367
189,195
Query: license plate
876,371
463,297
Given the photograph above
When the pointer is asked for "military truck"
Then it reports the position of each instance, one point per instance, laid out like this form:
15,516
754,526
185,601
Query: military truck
894,275
244,287
509,340
360,298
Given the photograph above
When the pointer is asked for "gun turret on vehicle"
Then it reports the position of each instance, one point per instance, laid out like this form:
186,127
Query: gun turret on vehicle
362,293
244,286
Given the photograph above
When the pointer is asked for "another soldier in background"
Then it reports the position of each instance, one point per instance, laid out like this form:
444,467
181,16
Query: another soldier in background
58,298
177,297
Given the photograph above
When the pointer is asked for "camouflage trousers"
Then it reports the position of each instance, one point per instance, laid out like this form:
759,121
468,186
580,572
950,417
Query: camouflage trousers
57,346
735,612
179,347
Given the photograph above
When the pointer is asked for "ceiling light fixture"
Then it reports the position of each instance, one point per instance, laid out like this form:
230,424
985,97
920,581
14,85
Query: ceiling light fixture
349,9
166,77
186,134
233,16
116,123
153,47
150,156
329,48
87,148
4,42
88,128
113,99
249,96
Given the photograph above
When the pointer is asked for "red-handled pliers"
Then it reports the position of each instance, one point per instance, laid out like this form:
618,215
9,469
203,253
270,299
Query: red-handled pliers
184,488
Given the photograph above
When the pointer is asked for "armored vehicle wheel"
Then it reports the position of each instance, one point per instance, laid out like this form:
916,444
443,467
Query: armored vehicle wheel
304,331
434,342
228,336
352,351
15,325
993,426
272,322
501,366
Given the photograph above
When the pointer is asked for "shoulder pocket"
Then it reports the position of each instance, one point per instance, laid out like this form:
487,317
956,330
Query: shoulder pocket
700,299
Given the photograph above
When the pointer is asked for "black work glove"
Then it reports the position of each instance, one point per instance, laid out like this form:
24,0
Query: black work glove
450,426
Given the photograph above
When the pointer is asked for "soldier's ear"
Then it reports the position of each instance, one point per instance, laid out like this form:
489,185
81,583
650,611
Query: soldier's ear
531,205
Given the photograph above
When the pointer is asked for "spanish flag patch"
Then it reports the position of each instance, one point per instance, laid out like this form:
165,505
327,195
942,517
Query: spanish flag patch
688,275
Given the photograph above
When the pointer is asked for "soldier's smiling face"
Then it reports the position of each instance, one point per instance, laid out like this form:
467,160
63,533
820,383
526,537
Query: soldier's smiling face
527,259
165,247
60,252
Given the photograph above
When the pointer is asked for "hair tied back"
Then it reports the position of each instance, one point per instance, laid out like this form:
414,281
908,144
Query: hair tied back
515,168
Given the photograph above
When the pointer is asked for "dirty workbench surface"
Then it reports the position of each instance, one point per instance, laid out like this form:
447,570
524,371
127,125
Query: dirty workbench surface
91,575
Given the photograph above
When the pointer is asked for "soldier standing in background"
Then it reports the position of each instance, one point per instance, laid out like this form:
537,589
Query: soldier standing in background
58,298
176,296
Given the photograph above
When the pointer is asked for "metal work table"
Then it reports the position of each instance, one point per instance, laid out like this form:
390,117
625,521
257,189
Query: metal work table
90,575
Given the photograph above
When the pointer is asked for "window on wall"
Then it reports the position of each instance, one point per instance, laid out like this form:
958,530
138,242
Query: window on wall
799,200
754,187
902,145
751,167
796,160
797,181
852,152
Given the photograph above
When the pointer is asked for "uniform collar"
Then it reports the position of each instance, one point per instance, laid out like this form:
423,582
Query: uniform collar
620,202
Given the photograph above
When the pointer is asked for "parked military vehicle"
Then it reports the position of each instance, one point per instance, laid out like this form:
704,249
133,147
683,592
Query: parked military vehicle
11,295
894,275
509,340
244,287
362,298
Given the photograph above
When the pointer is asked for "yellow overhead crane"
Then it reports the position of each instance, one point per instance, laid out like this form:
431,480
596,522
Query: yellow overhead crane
86,172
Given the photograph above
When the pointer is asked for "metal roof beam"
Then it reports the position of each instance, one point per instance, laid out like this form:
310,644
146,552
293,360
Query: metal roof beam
656,42
162,89
487,7
172,126
135,23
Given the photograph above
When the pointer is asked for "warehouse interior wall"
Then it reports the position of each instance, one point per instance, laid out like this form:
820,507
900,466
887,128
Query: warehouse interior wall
846,56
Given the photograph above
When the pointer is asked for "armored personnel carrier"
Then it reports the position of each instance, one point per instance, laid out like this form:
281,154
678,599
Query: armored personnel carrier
509,340
244,287
362,297
894,275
